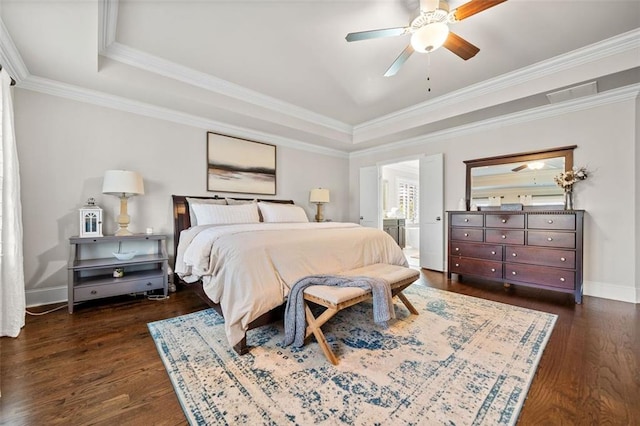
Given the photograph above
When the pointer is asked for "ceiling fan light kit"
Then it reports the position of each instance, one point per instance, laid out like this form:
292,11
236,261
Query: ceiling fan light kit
430,37
430,30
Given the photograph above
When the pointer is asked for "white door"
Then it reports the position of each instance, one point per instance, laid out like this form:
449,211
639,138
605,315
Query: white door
432,212
370,197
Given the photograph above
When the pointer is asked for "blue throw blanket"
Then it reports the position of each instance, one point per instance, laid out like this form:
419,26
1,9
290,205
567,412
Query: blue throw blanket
294,316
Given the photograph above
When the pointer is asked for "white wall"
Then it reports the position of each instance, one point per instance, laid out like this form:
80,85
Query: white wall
65,146
606,137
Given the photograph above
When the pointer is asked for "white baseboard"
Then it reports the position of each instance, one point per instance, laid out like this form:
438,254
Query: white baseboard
46,296
611,291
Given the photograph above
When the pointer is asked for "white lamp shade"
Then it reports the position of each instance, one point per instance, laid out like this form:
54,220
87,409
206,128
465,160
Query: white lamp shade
122,183
319,195
430,37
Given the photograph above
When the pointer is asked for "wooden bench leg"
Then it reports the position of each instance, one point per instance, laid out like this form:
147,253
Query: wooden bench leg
406,302
313,326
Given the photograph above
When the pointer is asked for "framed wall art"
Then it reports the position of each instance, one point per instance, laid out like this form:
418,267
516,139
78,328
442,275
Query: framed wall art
240,165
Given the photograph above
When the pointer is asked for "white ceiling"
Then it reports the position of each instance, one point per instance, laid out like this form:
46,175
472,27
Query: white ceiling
283,68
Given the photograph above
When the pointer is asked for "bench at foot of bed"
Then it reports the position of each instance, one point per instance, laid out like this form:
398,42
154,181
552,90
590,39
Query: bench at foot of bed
335,299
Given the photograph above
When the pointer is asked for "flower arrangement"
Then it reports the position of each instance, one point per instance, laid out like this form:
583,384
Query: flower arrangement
568,178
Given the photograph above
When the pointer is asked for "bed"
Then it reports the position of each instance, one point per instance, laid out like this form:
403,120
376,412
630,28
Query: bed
245,269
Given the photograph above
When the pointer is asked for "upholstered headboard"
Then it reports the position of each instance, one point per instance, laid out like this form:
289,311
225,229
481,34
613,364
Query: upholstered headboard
182,218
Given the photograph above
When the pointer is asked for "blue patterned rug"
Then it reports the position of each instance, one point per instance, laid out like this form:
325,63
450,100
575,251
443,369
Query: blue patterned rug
462,361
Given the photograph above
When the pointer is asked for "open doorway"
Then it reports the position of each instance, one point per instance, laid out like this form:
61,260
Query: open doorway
401,206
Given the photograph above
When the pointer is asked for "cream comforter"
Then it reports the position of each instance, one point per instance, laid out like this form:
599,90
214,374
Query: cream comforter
248,269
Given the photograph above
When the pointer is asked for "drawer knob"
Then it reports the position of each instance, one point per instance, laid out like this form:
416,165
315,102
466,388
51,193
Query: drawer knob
504,220
466,220
562,279
149,284
504,237
493,252
550,221
514,273
549,239
94,292
457,264
563,259
457,249
514,254
493,269
466,235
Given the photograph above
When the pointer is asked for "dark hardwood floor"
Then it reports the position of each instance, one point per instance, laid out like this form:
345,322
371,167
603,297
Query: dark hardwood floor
100,365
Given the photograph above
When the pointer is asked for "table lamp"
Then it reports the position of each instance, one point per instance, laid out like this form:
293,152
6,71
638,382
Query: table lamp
123,184
319,196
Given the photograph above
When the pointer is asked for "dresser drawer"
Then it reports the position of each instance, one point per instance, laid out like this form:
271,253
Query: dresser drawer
541,256
460,219
504,236
505,221
479,251
552,221
467,234
542,275
552,239
481,268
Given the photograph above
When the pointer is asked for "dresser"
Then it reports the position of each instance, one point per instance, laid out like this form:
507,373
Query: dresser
395,228
540,249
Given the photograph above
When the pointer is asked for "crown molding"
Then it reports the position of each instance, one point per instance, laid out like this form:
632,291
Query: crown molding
622,94
154,64
107,23
10,58
80,94
108,47
594,52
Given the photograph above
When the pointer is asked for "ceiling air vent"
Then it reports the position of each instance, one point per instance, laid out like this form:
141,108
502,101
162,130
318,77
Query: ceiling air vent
573,92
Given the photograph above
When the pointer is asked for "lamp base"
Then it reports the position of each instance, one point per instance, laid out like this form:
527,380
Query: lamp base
123,231
319,216
123,218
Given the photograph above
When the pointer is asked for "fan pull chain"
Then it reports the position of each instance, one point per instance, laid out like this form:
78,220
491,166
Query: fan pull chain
428,72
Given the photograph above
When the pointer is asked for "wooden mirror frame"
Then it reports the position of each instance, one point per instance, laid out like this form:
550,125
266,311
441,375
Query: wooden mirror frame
565,151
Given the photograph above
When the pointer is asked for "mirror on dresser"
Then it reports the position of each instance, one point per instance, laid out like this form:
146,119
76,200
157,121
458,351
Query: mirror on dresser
524,178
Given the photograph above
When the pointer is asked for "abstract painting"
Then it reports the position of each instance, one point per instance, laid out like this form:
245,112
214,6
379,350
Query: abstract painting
240,165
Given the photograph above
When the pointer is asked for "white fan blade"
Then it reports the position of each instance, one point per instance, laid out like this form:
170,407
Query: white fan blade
395,66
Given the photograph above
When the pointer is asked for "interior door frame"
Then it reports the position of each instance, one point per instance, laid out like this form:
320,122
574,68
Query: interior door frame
387,162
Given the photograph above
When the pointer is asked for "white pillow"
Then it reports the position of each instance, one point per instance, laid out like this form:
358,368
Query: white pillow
212,214
192,201
276,212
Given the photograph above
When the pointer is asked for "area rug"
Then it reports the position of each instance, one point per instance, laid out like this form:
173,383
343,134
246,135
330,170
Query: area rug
461,361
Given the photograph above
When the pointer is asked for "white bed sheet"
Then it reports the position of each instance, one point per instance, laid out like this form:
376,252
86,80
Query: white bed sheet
249,268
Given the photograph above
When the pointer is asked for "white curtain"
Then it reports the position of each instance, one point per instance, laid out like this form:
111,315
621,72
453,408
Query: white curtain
12,292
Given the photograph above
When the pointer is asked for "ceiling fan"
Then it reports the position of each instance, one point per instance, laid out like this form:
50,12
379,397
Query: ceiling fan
430,30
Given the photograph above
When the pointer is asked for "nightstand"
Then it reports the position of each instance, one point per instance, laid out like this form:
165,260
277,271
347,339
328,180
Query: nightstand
91,267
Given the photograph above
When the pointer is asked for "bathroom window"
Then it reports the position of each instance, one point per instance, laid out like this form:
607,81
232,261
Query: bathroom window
408,200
